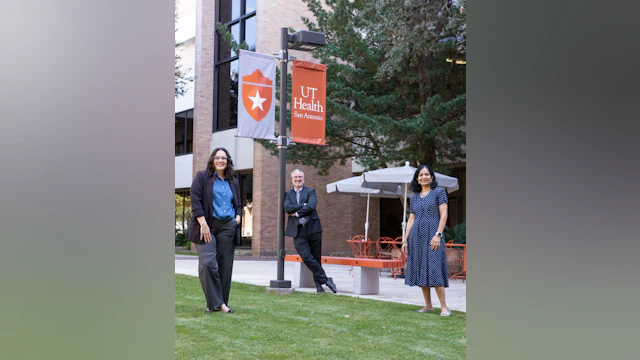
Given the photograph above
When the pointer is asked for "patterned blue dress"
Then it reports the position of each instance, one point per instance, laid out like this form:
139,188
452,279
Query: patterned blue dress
426,267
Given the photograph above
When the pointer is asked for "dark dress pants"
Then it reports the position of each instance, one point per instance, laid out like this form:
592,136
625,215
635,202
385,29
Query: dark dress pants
216,263
309,247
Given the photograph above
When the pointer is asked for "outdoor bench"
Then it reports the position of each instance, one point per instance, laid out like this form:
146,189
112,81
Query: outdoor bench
365,271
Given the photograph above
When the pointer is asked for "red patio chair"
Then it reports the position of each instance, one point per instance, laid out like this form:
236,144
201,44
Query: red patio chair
361,246
385,247
396,253
456,262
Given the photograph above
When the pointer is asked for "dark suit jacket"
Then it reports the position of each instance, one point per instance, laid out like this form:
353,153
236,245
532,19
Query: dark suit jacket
291,206
201,205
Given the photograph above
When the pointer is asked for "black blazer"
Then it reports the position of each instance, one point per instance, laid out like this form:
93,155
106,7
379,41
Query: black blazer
291,206
201,205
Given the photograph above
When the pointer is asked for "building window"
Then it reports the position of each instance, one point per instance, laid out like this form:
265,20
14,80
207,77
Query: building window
239,16
182,210
246,197
184,132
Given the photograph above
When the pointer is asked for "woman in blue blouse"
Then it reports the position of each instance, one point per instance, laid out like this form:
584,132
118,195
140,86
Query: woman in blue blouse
215,206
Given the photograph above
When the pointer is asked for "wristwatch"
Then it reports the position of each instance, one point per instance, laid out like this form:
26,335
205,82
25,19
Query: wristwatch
439,233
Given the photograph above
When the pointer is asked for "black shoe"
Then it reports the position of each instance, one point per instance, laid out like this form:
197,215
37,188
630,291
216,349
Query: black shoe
331,285
319,287
218,310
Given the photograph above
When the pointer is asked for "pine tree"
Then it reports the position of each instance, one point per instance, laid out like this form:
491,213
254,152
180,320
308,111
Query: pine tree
395,91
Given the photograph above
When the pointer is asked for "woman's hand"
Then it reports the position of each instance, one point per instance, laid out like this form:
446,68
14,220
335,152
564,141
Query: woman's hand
205,233
238,219
435,242
404,247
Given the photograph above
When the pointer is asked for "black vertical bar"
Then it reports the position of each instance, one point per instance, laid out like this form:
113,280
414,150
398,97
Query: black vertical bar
184,200
216,105
241,23
284,45
282,146
216,71
186,129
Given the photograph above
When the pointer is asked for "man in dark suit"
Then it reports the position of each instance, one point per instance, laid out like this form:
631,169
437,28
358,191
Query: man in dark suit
303,225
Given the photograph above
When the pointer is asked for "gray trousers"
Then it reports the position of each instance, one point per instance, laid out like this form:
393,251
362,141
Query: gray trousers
215,263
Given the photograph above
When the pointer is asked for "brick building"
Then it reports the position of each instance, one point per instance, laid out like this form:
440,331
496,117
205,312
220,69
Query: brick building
211,121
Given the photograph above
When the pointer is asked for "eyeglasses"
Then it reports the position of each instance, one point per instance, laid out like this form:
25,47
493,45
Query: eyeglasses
220,158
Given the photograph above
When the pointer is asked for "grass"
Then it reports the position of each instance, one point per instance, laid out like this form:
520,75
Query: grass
310,326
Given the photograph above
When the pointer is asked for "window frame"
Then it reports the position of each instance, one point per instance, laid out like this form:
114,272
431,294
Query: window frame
219,63
184,115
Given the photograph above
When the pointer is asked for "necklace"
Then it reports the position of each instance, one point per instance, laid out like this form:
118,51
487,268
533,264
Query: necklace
425,194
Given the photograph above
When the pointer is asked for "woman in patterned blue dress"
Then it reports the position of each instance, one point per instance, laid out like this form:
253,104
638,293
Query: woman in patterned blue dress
425,246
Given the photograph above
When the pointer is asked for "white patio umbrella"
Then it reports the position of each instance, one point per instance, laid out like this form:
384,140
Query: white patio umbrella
353,185
390,178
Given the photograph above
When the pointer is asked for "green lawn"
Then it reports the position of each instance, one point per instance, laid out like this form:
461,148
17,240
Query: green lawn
310,326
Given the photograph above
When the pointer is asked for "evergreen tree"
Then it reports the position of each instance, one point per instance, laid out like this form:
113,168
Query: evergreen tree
395,91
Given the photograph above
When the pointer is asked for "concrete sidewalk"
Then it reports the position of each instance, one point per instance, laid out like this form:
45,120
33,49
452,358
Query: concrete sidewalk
260,272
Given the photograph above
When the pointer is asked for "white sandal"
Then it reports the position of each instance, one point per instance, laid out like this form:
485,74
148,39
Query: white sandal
445,313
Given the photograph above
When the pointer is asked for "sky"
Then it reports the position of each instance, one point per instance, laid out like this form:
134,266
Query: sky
186,24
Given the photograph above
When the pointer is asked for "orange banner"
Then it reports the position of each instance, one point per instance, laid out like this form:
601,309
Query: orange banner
308,102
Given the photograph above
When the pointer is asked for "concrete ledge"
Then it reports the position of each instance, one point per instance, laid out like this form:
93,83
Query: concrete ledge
302,276
366,280
366,272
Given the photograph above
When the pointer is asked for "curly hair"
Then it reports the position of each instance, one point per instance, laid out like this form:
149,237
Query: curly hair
228,171
415,186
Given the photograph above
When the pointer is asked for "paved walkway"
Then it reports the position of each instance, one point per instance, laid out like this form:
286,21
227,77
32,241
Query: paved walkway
261,271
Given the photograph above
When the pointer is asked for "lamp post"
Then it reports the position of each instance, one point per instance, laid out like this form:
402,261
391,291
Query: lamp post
303,40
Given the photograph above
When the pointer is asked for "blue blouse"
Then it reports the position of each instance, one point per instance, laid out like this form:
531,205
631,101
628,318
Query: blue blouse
222,199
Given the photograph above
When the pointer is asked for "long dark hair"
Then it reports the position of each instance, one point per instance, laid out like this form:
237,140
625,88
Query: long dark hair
415,186
228,171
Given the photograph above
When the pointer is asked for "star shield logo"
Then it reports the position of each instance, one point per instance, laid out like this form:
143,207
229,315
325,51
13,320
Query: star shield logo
256,95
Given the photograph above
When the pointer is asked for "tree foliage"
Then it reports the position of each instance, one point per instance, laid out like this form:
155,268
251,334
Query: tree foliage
394,90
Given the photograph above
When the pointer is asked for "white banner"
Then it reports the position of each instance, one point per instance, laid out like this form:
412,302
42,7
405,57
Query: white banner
257,95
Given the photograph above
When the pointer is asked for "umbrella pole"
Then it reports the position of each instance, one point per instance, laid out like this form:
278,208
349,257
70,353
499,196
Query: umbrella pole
404,215
366,224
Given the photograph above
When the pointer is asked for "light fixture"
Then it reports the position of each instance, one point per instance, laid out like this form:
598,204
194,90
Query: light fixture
306,40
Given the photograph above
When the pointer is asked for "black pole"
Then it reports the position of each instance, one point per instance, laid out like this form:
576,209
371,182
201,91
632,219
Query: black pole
282,152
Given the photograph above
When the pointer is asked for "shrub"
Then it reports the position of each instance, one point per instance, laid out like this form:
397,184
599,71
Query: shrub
181,240
458,234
